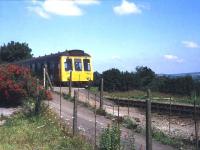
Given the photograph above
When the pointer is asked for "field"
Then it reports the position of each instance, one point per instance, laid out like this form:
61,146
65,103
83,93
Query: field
156,96
42,132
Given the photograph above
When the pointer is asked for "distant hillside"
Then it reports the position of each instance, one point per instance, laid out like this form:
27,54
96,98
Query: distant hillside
195,75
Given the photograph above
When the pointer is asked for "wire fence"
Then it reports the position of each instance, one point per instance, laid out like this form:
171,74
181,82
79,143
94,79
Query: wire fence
83,116
172,121
102,113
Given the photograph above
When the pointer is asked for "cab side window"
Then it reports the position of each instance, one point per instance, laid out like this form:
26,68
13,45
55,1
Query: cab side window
78,64
68,64
86,63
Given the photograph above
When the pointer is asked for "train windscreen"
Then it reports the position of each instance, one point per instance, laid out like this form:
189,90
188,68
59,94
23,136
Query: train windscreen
86,63
68,65
78,64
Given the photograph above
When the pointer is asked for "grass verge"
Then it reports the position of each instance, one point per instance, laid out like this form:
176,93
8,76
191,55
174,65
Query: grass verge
22,132
167,140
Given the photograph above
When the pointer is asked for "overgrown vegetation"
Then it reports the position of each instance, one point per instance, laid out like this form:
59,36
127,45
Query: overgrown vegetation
166,139
157,135
129,123
101,112
25,131
17,85
110,138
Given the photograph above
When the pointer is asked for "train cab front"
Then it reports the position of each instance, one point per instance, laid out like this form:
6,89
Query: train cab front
80,68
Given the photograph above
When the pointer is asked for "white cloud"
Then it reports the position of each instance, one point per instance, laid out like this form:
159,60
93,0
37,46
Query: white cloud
60,7
39,11
174,58
190,44
86,2
127,8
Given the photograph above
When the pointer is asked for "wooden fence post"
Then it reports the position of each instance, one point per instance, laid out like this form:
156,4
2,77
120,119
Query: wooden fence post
44,77
148,122
170,113
118,113
196,123
113,108
60,99
95,122
88,95
37,104
101,94
75,113
70,84
88,91
128,107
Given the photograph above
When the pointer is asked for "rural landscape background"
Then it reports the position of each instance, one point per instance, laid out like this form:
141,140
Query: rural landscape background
146,88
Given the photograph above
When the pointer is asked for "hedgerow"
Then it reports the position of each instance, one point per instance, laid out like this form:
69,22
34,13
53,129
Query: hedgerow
17,84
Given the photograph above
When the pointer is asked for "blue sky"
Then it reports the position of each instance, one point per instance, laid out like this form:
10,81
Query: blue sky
123,34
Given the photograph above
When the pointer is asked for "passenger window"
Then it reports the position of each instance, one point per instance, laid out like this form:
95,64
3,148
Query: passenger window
38,66
33,67
86,63
52,65
68,65
78,64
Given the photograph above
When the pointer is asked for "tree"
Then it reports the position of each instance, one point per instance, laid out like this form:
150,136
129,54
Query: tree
14,51
112,80
144,75
97,78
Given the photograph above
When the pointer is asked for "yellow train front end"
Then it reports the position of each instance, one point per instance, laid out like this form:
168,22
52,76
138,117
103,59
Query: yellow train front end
80,66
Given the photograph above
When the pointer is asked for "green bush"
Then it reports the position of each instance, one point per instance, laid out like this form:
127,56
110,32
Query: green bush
101,112
129,123
17,85
110,138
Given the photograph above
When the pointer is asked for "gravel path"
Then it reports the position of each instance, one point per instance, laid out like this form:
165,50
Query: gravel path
86,121
6,112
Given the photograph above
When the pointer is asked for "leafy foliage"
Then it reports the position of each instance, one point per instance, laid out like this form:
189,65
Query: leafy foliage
129,123
14,51
112,79
17,84
110,138
166,139
144,75
143,78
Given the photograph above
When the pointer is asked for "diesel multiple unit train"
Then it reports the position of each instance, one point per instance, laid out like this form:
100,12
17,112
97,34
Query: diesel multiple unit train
60,65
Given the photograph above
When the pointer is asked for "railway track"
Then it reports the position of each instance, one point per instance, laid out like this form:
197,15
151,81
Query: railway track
178,109
161,107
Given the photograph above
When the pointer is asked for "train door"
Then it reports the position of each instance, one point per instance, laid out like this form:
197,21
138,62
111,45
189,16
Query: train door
77,69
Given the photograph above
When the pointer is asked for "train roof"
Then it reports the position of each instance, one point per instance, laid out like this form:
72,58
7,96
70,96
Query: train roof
74,52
